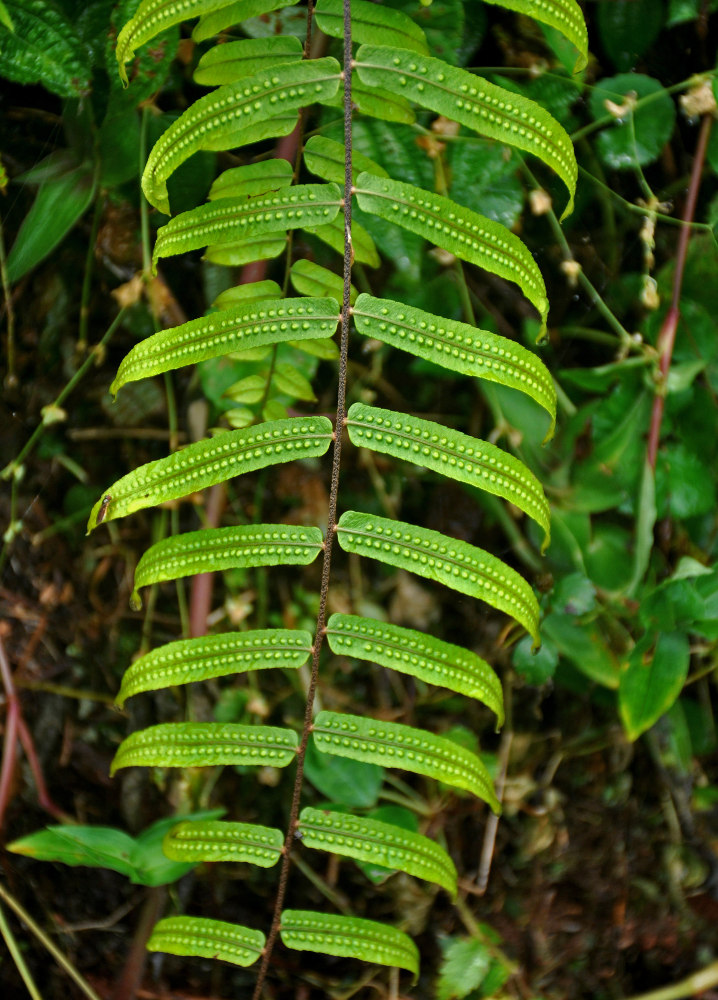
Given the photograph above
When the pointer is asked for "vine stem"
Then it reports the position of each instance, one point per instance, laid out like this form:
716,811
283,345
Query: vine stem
332,514
667,335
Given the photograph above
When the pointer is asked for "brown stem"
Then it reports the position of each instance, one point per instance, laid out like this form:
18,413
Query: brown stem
667,335
131,976
332,515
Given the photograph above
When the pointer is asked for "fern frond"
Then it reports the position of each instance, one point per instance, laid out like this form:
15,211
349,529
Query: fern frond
325,158
237,60
454,563
189,660
230,14
247,251
564,15
213,121
312,279
393,744
249,325
206,938
206,744
229,219
366,839
457,346
419,655
245,546
219,840
466,234
253,179
371,23
451,453
332,233
474,102
253,291
349,937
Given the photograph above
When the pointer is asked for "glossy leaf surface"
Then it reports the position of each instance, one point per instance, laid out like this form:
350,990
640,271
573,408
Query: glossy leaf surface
474,102
246,326
417,654
348,937
213,461
218,840
456,564
392,744
191,660
206,744
229,219
213,121
652,679
236,60
244,546
205,938
450,453
464,233
366,839
457,346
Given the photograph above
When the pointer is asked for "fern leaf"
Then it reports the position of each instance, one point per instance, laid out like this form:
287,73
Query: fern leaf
474,102
206,744
366,839
457,346
419,655
348,937
325,158
466,234
227,220
377,103
213,461
393,744
332,234
371,23
245,546
253,179
564,15
252,291
209,656
236,60
213,121
153,17
246,326
247,251
451,453
312,279
230,14
205,938
454,563
218,840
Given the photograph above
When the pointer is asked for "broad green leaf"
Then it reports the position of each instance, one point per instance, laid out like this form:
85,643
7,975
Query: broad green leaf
456,564
5,17
291,381
343,781
206,744
452,454
215,840
371,23
637,135
213,461
417,654
246,251
628,28
485,180
474,102
230,14
303,206
213,121
253,179
535,666
465,961
246,326
236,60
326,349
208,656
41,45
94,846
392,744
652,679
151,18
457,346
384,844
464,233
312,279
252,291
205,938
564,15
348,937
248,390
58,205
585,646
333,235
247,545
377,103
325,158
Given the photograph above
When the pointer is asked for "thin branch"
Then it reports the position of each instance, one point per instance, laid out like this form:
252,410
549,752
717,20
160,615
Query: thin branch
332,515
